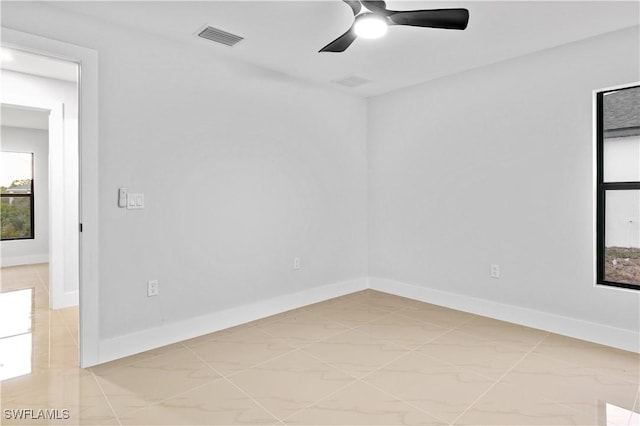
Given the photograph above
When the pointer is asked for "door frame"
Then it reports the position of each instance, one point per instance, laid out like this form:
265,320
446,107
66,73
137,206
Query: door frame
87,59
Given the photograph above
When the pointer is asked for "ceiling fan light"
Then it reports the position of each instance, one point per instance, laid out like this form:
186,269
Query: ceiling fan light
370,26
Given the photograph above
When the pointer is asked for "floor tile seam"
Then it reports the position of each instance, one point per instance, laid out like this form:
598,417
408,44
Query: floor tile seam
340,331
138,360
351,382
427,342
587,368
252,399
431,322
258,364
412,347
213,340
148,404
423,348
171,396
74,336
317,316
411,404
496,382
104,395
41,280
383,365
566,405
451,364
328,364
355,324
373,305
380,339
503,343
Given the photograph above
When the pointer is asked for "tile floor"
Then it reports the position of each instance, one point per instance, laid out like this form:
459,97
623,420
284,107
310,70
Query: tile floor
365,359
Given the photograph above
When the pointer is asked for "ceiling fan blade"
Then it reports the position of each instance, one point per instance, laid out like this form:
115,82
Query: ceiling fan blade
453,19
355,6
341,43
377,6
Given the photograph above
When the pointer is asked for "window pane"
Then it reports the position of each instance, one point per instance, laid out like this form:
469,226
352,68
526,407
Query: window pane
16,172
621,138
15,214
622,159
622,236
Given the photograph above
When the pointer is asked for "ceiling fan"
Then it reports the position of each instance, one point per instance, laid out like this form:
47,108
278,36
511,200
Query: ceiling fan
372,22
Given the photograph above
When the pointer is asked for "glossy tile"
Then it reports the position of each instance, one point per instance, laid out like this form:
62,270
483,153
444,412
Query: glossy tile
290,383
484,357
216,403
302,329
353,315
513,405
102,369
230,353
74,390
361,404
437,315
365,358
134,386
403,331
503,332
440,389
611,361
570,385
387,302
355,352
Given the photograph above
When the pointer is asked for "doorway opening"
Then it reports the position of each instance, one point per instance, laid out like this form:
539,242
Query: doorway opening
40,195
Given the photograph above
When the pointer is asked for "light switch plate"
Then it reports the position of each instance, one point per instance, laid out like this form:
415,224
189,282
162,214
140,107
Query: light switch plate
135,201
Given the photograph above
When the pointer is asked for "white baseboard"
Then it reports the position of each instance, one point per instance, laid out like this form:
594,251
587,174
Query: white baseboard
598,333
144,340
24,260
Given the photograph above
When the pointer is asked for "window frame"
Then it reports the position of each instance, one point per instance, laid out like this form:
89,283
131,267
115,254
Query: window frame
602,187
31,197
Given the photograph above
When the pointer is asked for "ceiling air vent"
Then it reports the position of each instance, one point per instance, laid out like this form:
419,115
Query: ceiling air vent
352,81
219,36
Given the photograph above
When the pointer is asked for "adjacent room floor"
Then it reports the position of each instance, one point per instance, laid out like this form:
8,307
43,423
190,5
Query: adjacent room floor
365,359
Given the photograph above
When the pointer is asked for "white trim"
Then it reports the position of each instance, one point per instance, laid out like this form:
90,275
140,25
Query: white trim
24,260
572,327
88,145
144,340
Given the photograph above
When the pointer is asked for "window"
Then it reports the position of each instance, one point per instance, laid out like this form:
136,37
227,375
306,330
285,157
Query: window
618,187
16,196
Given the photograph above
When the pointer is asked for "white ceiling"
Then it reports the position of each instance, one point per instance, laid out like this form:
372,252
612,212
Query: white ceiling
16,116
286,35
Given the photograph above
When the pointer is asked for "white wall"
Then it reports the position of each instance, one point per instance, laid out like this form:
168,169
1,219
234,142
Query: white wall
242,169
494,166
20,252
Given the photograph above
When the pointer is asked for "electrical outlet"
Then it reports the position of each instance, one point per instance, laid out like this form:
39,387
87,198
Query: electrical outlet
495,271
296,263
152,288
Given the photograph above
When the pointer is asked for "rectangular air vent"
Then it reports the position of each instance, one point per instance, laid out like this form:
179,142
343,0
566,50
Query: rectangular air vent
352,81
219,36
